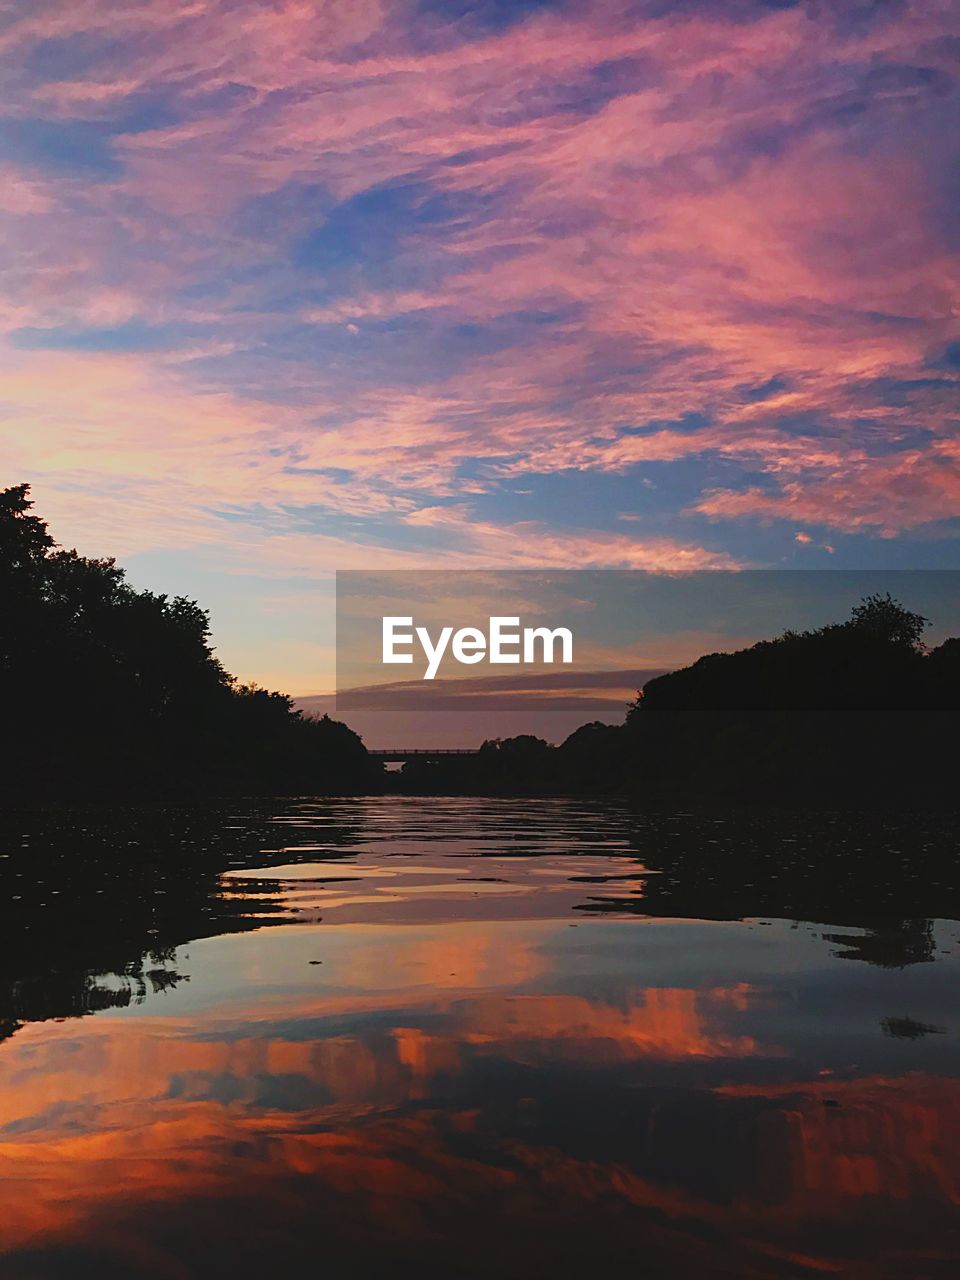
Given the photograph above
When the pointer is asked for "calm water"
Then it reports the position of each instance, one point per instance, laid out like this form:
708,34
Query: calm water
465,1038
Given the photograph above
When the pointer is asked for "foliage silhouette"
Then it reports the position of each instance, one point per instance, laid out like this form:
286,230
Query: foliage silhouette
854,713
108,689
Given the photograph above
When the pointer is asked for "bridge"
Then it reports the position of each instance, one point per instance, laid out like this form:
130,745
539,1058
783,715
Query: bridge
400,755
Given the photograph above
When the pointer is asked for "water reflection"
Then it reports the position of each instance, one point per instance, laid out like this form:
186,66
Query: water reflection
446,1039
93,904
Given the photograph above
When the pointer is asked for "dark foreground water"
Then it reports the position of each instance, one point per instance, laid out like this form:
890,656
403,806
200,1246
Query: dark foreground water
472,1038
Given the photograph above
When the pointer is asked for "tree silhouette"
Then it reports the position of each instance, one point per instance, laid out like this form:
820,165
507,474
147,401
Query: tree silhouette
106,689
886,619
850,713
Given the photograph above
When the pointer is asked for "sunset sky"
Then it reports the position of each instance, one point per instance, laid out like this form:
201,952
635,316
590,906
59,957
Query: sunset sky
293,286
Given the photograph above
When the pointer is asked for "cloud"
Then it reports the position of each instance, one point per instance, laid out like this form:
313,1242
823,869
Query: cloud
380,261
885,495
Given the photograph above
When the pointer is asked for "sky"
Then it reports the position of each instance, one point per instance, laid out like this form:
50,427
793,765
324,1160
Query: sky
292,287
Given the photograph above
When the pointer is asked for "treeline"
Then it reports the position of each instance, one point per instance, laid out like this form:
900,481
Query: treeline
109,692
858,712
106,691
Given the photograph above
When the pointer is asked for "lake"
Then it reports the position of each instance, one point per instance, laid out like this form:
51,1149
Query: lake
475,1037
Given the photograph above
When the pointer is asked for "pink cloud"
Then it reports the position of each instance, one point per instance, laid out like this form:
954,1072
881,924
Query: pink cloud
883,495
714,224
